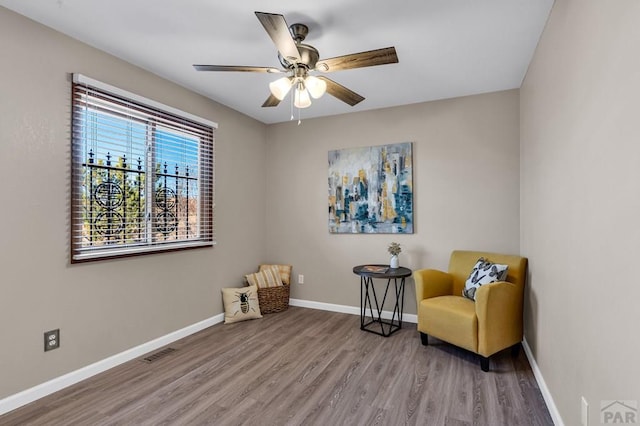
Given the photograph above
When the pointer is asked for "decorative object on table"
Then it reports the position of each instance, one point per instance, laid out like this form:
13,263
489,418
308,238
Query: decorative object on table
275,298
395,250
240,304
489,324
376,269
371,190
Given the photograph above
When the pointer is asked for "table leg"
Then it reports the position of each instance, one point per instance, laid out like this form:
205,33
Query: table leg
366,286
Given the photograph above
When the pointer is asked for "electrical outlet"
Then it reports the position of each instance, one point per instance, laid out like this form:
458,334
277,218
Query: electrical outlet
300,279
51,340
585,412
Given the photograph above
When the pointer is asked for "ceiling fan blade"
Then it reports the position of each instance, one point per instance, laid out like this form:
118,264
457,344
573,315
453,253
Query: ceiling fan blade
278,30
271,101
235,68
370,58
339,91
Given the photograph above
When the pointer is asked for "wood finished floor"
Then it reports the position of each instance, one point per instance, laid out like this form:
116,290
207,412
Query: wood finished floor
300,367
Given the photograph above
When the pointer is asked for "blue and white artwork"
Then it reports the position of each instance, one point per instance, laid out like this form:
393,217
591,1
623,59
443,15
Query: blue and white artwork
371,190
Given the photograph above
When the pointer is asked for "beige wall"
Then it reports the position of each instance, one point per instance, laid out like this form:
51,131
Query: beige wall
570,190
466,184
102,308
580,189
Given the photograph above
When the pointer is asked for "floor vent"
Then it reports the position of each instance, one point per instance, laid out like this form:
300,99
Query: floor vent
158,355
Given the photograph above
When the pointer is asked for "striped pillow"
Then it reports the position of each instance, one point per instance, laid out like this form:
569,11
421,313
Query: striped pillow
285,272
268,277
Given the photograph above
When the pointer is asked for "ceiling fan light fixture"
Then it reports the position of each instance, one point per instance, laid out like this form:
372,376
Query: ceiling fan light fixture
301,97
280,87
316,86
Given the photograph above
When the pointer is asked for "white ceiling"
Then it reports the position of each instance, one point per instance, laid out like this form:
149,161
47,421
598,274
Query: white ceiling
446,48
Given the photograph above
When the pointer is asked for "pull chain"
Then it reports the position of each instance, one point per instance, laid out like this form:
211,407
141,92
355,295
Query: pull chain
292,96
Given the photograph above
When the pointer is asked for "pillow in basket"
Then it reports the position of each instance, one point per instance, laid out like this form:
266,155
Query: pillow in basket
267,277
240,304
285,272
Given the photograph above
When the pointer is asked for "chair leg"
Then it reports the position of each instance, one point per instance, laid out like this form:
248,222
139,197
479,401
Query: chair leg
424,338
515,350
484,363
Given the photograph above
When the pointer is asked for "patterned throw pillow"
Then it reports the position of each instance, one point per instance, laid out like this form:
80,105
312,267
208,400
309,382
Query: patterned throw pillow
267,277
285,272
240,304
484,272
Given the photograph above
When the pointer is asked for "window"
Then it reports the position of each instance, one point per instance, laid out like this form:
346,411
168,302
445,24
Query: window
142,175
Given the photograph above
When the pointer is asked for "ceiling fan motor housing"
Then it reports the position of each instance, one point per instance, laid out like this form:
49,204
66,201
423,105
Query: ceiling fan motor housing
308,54
308,58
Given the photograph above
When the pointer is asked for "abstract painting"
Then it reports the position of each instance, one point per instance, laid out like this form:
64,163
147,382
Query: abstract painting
371,190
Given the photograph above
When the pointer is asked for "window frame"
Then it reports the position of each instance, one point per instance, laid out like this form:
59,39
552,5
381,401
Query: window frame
156,115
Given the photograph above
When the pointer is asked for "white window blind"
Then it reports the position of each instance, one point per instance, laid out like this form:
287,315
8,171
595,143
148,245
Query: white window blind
142,175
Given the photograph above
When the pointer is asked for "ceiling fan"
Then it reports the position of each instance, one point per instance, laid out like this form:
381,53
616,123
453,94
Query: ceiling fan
299,60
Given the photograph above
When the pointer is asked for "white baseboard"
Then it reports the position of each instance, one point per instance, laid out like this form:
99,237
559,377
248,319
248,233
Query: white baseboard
542,385
353,310
39,391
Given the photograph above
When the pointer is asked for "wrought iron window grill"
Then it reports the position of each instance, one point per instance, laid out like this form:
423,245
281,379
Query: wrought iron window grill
115,205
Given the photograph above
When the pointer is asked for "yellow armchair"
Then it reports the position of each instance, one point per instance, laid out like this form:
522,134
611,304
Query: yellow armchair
490,324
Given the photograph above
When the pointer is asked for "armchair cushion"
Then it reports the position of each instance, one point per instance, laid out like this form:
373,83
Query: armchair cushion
484,272
450,318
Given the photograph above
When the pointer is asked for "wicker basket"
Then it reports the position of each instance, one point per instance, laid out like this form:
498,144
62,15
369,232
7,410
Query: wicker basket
273,299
